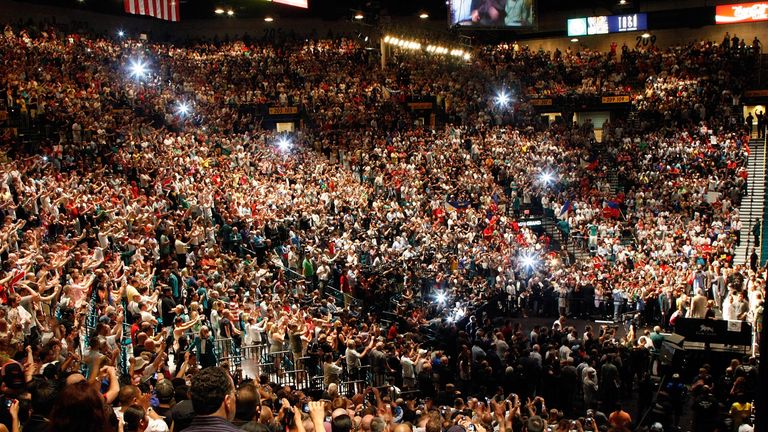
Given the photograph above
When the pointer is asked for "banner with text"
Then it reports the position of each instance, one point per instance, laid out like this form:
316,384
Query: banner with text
741,13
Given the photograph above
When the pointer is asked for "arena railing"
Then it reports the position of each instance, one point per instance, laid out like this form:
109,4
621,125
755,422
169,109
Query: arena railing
282,368
126,345
89,328
328,288
250,352
91,317
349,385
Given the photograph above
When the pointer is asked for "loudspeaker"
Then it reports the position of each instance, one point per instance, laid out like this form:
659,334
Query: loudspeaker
674,338
671,348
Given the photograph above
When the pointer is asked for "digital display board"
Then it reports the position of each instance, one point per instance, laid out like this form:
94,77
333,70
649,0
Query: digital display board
607,24
492,13
741,13
625,23
597,25
577,27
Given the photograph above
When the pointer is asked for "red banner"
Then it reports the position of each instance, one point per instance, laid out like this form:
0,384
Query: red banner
741,13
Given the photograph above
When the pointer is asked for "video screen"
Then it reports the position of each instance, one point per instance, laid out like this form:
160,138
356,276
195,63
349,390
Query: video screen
298,3
597,25
577,27
492,13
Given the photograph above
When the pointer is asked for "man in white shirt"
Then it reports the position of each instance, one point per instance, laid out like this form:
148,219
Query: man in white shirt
535,354
409,371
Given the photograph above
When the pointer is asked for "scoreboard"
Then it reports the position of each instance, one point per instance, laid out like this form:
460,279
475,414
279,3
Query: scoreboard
624,23
607,24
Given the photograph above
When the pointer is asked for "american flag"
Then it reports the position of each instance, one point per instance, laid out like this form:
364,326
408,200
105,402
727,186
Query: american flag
163,9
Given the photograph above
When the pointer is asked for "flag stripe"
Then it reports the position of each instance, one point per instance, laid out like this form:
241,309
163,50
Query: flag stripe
163,9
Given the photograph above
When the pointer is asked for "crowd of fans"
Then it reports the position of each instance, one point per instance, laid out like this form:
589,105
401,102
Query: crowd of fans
144,246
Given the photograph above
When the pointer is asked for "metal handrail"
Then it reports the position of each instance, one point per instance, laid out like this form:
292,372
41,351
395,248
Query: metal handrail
750,216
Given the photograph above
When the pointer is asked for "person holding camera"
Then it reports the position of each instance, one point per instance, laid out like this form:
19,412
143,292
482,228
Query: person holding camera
12,405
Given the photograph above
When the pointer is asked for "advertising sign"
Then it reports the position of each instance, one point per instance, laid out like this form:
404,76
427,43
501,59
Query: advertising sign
741,13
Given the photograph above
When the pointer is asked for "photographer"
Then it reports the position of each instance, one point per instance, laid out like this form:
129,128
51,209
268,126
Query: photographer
12,405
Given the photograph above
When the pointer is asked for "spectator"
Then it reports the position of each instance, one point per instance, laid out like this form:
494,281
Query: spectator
214,400
79,408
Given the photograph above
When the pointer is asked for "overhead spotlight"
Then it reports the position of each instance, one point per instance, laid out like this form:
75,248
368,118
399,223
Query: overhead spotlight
622,2
467,56
284,144
386,39
441,297
547,177
502,99
359,16
138,69
218,11
268,19
424,15
646,35
574,40
528,260
120,33
182,109
230,12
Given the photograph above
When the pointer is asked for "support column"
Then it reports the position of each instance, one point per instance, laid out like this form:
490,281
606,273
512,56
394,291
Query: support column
383,49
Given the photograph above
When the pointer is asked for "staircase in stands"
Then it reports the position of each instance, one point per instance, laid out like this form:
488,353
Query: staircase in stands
753,203
613,181
580,253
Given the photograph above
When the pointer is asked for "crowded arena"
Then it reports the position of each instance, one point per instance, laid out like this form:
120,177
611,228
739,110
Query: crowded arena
536,216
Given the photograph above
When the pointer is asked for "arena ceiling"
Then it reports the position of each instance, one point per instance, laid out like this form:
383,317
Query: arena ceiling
373,10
